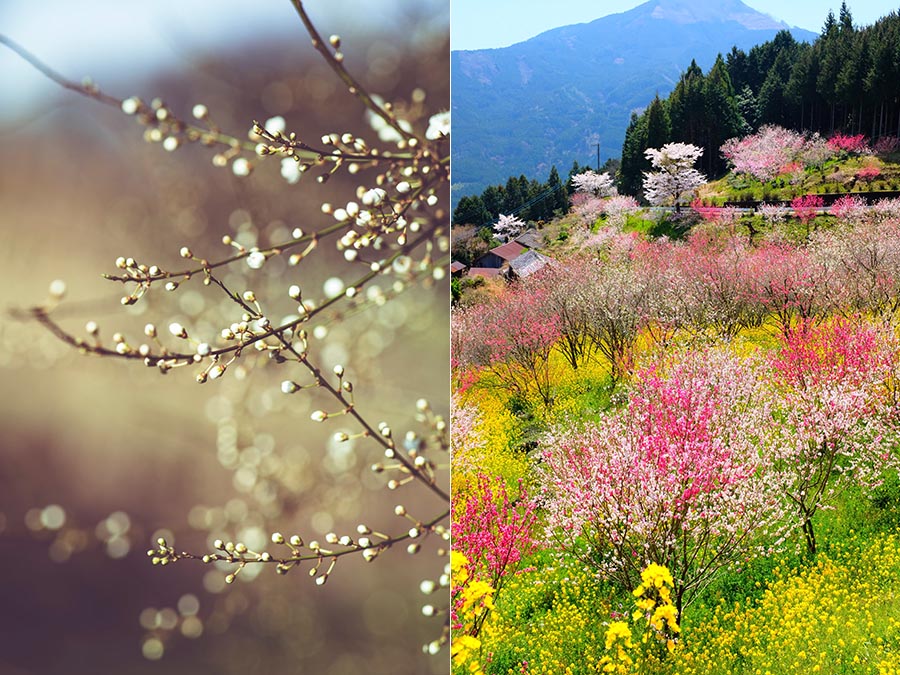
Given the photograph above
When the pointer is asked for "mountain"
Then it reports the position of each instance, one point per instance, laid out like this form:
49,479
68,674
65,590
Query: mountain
550,99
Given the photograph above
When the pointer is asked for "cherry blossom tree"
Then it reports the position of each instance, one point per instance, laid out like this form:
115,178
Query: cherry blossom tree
587,207
806,208
675,179
595,184
674,477
849,208
865,257
616,308
568,299
773,214
508,227
850,145
716,290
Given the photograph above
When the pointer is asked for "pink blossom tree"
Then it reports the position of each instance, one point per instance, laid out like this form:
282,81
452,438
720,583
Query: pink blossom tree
790,284
674,477
587,207
763,154
806,208
848,209
675,180
617,208
616,310
832,423
509,337
717,289
865,255
850,145
568,298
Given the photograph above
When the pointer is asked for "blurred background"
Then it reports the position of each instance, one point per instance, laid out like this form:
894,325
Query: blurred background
99,456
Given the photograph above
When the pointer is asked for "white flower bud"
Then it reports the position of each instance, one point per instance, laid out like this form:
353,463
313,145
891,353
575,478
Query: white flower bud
130,105
256,260
241,167
373,197
275,125
200,111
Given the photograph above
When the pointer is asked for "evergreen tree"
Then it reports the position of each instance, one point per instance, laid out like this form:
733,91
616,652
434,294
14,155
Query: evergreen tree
471,211
659,126
493,200
513,196
634,163
723,120
559,198
687,107
747,110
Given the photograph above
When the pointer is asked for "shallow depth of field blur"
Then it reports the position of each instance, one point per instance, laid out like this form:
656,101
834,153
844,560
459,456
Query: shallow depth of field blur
99,456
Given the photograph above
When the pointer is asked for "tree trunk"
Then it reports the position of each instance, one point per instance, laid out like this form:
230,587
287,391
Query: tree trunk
809,534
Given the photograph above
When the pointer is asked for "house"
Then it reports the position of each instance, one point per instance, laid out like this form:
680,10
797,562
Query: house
457,269
527,264
530,239
498,256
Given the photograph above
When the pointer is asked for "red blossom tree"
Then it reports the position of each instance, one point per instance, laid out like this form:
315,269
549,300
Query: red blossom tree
494,531
851,145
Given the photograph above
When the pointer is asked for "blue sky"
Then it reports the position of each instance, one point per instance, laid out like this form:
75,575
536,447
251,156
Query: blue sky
481,24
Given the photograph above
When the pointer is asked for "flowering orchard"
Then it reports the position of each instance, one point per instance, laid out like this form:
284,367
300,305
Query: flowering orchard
698,412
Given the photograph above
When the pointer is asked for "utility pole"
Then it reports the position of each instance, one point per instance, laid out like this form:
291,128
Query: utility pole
598,157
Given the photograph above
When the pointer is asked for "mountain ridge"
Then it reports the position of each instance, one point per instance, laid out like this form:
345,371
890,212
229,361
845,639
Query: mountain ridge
548,100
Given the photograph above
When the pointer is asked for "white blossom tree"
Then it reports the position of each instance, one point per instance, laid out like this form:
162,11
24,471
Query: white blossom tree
508,227
594,184
675,180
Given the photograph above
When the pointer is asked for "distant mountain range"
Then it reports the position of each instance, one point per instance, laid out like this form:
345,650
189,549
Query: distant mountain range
549,100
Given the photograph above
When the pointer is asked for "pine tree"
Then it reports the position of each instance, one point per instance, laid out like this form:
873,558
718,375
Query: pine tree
471,211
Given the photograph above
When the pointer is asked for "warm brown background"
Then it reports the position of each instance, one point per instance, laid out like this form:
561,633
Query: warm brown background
79,187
